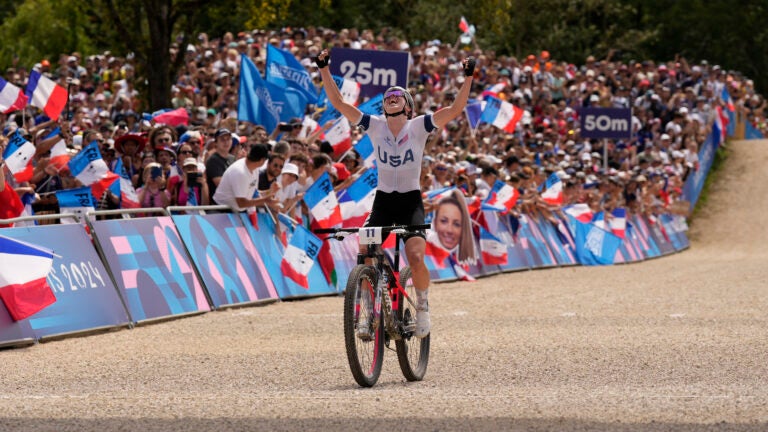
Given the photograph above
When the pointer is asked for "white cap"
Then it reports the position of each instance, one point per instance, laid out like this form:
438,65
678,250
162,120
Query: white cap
290,168
665,137
189,161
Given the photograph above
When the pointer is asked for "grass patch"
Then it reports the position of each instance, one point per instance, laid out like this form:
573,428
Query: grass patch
721,155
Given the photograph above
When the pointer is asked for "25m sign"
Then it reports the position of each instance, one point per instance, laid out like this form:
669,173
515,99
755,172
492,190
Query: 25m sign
606,122
375,71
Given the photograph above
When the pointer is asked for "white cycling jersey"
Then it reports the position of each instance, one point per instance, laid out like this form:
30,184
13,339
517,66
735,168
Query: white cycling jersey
398,159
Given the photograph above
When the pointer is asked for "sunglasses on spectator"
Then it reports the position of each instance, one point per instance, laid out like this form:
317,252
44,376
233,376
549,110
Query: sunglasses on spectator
187,152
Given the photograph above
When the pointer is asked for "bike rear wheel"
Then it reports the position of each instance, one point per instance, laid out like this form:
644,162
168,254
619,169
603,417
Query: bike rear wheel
412,352
364,354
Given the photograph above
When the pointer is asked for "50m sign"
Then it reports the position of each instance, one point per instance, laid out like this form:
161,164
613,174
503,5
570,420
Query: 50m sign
613,123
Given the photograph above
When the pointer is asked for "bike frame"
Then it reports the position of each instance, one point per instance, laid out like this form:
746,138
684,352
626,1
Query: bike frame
395,291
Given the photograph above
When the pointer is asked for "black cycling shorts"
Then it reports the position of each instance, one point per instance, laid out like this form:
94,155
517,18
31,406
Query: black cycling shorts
397,208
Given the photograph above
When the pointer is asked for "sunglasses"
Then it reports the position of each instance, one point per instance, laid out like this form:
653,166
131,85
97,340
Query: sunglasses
394,94
188,152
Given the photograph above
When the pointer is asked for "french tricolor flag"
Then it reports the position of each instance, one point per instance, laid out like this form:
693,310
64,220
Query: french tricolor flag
349,89
501,114
46,95
59,154
18,155
300,255
339,136
76,202
580,211
322,202
721,124
464,25
494,90
357,200
492,249
129,199
88,167
726,97
618,222
436,195
23,272
501,198
308,127
11,97
598,220
364,148
473,111
286,225
554,193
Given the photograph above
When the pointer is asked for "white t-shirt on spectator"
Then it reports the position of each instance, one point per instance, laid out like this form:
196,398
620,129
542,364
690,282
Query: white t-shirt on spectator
237,181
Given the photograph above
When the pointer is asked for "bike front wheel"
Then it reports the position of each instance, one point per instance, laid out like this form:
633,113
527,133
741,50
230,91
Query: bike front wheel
412,352
363,334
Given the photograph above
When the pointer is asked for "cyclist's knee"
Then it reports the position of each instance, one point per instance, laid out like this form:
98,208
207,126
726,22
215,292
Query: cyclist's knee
415,257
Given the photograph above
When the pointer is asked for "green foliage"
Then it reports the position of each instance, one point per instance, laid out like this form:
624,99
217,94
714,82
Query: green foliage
42,29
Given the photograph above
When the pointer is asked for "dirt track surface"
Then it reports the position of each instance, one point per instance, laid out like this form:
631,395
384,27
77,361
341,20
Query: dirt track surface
678,343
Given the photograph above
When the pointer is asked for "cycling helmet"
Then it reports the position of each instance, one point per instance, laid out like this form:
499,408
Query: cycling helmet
408,101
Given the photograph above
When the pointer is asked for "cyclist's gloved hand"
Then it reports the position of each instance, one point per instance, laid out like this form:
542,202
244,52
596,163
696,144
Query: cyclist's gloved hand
323,59
469,66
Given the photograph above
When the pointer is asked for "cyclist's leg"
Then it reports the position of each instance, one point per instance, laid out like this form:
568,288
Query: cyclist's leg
415,248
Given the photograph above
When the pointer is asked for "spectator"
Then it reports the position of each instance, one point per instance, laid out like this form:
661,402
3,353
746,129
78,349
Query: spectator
192,189
241,179
219,160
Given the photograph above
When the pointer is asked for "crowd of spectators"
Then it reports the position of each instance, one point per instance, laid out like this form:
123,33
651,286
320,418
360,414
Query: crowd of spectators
674,106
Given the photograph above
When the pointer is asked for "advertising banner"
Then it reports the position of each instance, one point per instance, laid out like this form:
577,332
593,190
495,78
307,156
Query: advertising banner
86,298
641,233
559,243
516,257
695,181
14,333
264,238
229,265
535,244
659,234
151,267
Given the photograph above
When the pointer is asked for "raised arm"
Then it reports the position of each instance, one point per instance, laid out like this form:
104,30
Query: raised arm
443,116
334,95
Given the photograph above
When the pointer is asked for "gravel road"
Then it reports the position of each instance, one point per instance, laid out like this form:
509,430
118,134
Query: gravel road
676,343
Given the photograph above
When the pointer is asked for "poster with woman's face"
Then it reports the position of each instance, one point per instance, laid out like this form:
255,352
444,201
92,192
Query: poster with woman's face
452,227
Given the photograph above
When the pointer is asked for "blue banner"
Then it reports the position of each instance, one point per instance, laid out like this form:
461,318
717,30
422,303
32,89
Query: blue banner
255,102
284,71
151,267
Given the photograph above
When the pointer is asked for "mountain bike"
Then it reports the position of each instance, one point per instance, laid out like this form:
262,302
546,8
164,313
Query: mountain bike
380,306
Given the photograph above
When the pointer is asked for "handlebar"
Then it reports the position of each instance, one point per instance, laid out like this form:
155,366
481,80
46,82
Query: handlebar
384,230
